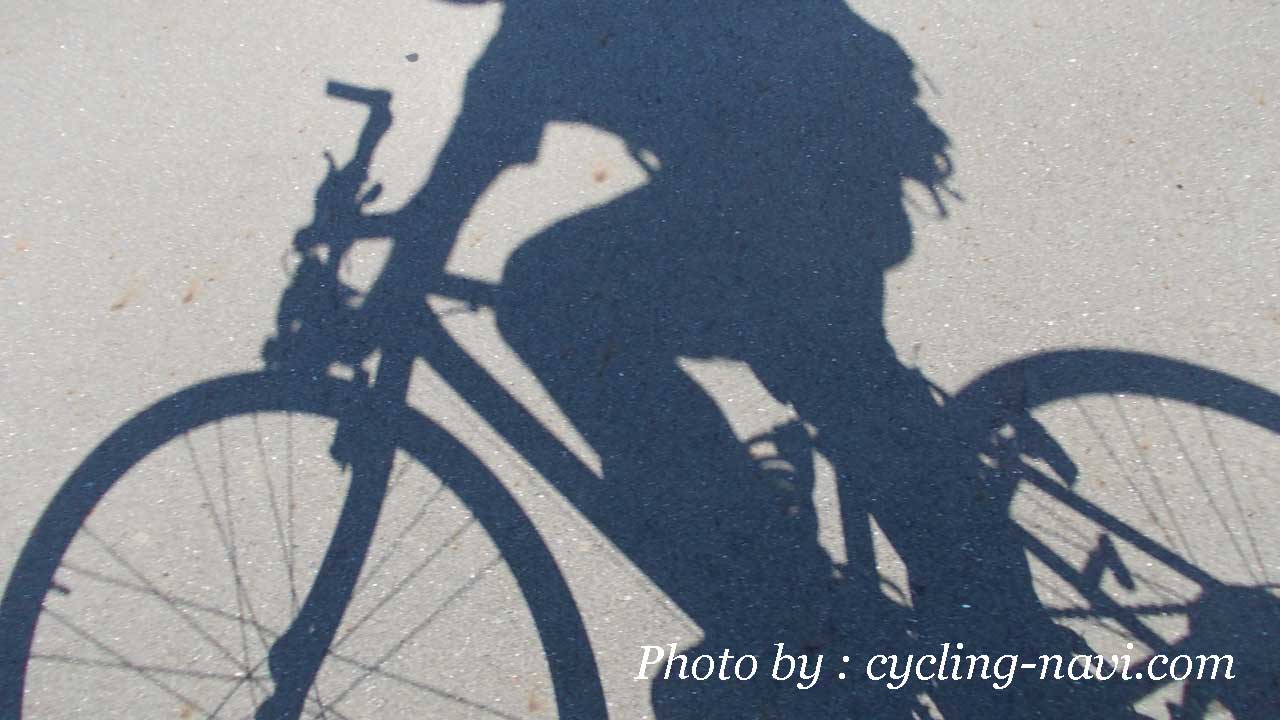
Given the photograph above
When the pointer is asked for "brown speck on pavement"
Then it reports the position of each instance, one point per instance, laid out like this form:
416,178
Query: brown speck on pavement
193,289
130,292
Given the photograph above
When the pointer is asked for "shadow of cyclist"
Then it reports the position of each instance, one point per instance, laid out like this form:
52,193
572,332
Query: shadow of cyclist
778,137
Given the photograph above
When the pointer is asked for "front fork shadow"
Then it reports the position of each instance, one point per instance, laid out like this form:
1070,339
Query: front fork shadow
295,658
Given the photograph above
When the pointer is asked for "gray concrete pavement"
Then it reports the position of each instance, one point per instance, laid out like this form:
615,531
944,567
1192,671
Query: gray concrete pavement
1117,162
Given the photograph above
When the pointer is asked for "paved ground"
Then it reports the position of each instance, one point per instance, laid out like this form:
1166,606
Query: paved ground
1118,164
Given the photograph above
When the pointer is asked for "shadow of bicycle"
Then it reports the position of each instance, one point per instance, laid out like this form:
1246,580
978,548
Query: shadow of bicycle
778,138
